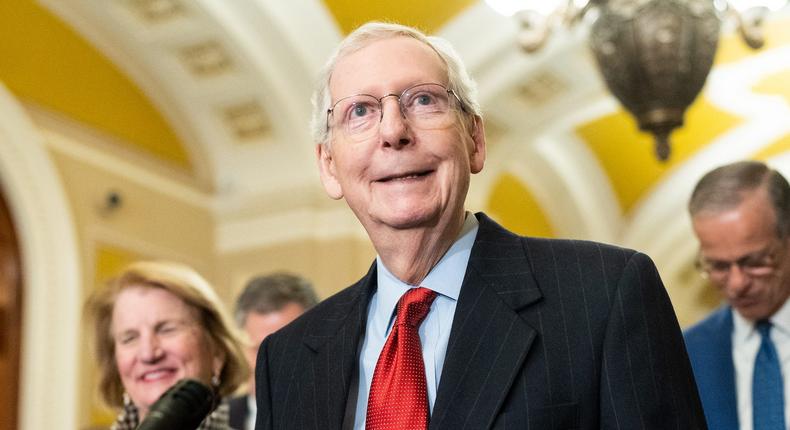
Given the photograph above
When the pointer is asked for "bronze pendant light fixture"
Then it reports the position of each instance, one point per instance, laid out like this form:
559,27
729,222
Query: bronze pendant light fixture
654,55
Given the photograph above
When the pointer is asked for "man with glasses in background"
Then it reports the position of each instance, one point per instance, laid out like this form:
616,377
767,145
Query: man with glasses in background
740,213
459,323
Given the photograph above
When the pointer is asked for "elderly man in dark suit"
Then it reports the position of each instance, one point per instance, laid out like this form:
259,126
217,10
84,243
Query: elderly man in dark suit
460,324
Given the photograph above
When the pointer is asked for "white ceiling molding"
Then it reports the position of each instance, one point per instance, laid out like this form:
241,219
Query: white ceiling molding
286,91
132,52
234,87
305,26
61,142
233,79
296,225
591,207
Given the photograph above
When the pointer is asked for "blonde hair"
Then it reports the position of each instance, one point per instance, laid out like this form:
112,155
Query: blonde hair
186,284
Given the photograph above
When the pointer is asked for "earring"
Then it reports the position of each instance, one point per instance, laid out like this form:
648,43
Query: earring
126,399
215,380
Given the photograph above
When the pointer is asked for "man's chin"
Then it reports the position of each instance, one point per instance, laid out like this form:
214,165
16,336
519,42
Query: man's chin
408,220
752,312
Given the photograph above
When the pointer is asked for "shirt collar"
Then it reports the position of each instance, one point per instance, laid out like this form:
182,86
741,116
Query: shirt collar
445,277
781,319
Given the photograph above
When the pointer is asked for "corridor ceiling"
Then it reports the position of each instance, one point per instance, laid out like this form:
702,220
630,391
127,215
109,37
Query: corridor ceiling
217,93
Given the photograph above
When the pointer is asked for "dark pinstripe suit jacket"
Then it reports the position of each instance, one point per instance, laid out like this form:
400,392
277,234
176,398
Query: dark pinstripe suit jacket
547,334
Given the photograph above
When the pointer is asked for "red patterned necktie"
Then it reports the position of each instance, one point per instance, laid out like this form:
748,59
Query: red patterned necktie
398,394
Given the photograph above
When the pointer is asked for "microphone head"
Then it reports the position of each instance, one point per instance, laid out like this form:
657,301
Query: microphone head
182,407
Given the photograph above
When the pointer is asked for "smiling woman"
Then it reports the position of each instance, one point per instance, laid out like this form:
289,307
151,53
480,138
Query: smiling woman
158,323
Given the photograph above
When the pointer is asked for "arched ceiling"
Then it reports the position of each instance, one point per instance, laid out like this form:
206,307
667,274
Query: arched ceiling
221,89
51,58
44,61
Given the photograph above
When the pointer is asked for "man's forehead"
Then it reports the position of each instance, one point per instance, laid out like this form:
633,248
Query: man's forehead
734,232
387,65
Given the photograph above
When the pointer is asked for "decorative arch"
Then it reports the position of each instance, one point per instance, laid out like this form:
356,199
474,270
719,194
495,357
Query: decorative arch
50,264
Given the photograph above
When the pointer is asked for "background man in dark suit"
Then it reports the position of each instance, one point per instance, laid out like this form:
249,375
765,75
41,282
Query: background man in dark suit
741,215
460,324
266,304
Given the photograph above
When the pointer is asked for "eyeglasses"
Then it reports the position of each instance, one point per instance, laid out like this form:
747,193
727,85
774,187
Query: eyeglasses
424,106
759,264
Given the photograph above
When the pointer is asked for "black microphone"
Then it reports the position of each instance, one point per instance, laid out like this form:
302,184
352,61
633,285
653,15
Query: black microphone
182,407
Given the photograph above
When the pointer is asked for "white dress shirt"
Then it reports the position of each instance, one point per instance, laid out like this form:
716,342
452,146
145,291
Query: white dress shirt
252,411
745,344
445,279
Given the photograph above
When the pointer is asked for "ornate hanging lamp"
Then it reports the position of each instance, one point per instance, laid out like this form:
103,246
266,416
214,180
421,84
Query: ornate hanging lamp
654,55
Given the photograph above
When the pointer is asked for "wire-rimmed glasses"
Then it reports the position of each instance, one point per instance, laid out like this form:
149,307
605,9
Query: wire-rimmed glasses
424,106
759,264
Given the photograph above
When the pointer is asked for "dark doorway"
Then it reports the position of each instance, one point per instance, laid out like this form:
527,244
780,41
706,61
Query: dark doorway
10,318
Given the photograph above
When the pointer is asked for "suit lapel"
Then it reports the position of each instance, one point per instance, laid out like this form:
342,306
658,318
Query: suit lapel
334,340
725,373
489,340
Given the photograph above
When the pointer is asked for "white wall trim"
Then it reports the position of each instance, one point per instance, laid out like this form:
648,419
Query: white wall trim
307,223
62,142
51,276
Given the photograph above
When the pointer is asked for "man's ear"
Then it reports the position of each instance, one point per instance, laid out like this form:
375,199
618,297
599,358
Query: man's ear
477,155
326,168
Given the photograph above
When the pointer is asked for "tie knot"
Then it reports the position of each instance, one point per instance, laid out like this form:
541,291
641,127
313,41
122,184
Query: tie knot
414,305
764,328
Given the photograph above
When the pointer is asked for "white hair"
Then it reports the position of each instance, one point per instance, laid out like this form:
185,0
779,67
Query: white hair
458,79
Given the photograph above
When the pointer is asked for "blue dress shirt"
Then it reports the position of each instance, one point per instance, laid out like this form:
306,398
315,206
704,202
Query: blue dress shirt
445,278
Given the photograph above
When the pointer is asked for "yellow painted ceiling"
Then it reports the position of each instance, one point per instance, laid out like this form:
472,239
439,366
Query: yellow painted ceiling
44,61
627,154
777,84
427,15
513,205
779,147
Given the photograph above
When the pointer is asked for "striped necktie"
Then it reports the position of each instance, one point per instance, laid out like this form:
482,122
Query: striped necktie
767,388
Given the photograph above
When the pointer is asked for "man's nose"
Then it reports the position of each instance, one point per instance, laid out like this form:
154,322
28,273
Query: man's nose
394,129
737,281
